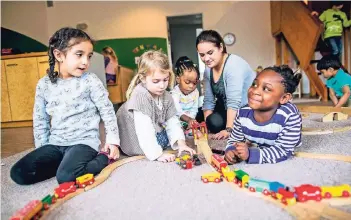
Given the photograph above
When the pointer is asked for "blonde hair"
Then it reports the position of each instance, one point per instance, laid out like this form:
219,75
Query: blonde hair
110,52
148,63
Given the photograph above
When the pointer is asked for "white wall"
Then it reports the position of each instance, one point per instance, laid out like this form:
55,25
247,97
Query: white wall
249,21
129,19
28,18
251,24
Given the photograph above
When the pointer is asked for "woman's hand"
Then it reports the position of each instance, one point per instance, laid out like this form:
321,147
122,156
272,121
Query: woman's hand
221,135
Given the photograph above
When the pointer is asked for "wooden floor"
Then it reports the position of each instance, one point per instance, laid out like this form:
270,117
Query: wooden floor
15,140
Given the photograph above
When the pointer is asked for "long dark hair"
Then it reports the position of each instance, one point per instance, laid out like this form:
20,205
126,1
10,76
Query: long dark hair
62,40
212,37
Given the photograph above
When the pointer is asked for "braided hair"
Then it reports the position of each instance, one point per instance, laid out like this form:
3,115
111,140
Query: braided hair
290,79
62,40
184,63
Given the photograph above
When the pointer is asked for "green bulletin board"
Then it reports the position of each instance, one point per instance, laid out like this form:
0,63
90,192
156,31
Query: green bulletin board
129,48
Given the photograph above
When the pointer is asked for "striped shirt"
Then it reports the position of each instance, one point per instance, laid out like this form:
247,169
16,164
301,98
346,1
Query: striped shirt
274,140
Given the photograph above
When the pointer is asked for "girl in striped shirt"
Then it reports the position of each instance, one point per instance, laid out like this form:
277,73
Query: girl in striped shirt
268,129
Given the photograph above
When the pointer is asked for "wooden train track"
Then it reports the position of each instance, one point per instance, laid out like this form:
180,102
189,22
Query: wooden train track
308,210
104,174
324,109
318,131
324,156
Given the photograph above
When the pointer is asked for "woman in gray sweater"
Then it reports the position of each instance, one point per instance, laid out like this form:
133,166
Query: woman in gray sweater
227,78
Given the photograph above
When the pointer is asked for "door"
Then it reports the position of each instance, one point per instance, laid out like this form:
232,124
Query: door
5,103
22,77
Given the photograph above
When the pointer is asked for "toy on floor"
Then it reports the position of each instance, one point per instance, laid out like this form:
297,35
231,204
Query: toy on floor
218,162
212,177
187,162
64,189
241,178
48,201
199,129
197,161
34,209
30,211
286,197
336,191
277,190
307,192
256,185
85,180
334,116
228,174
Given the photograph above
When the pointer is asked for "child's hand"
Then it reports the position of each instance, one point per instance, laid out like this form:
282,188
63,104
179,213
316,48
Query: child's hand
314,13
183,147
166,157
243,150
112,150
230,156
191,123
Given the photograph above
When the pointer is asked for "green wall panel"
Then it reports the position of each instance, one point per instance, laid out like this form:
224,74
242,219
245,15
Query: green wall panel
20,42
129,48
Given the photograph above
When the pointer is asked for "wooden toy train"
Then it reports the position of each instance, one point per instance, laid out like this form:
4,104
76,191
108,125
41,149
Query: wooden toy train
287,195
35,208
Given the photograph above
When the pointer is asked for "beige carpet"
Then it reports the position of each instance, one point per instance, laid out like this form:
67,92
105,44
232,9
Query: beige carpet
153,190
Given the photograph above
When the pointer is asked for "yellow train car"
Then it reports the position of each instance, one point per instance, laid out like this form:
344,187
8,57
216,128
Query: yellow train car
211,177
336,191
85,180
228,174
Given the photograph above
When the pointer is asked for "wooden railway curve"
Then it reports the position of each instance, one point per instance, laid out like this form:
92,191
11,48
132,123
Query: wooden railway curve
104,174
308,210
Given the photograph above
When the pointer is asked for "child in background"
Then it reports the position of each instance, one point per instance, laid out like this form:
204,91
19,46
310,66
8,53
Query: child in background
185,93
334,20
338,81
259,69
270,122
66,116
111,65
148,119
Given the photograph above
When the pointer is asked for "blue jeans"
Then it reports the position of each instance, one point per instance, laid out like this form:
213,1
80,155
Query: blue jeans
335,45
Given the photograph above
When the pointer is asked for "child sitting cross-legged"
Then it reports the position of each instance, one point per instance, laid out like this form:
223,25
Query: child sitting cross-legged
268,129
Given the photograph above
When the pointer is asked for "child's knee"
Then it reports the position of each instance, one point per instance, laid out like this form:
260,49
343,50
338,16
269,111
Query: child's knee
19,176
215,123
64,176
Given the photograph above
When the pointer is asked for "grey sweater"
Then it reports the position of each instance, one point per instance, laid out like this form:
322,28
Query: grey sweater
69,112
238,77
